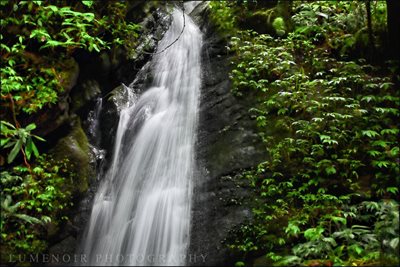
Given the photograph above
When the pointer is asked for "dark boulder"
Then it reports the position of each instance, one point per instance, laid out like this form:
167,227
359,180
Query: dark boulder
75,147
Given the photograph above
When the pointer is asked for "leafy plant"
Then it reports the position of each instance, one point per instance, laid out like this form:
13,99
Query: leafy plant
329,127
348,243
222,14
9,211
20,139
39,39
30,202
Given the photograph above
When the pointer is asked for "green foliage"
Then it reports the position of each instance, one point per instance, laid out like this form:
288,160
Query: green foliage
279,26
222,15
20,139
330,130
340,25
30,201
9,211
347,239
38,36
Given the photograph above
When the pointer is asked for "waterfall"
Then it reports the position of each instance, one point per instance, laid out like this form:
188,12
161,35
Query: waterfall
141,211
94,118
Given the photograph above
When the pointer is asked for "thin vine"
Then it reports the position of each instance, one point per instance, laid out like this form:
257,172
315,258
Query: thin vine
176,40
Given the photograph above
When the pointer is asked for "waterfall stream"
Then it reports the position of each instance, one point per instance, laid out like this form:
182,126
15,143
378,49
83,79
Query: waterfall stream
141,211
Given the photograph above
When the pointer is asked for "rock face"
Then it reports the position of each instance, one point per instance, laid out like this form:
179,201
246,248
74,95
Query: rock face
75,147
227,144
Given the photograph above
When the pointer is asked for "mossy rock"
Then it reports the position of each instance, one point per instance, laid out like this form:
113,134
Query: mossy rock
75,147
260,21
69,74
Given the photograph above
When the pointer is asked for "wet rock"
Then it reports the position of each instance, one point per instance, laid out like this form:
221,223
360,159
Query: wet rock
69,75
137,54
87,91
114,102
227,144
75,147
200,15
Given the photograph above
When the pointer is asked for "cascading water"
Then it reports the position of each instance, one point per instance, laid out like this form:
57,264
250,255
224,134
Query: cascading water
141,211
93,119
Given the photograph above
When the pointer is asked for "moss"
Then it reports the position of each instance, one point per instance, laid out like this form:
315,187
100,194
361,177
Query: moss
75,147
68,74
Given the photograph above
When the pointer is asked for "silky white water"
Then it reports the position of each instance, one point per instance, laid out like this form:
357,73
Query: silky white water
141,211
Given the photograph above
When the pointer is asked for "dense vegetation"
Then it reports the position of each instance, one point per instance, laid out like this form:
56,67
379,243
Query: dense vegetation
38,42
327,112
39,38
325,76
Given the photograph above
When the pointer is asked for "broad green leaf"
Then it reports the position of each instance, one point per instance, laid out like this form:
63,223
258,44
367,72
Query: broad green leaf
330,170
37,170
386,85
394,243
292,229
40,34
390,131
46,219
356,248
14,151
324,137
28,219
240,264
337,219
4,141
380,163
35,150
53,8
8,124
374,153
39,138
30,127
28,148
370,133
87,3
313,233
380,143
393,190
394,151
371,205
